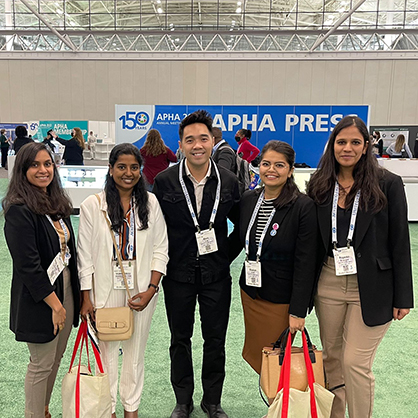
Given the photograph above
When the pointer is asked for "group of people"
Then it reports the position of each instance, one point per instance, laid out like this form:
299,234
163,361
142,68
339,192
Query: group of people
343,248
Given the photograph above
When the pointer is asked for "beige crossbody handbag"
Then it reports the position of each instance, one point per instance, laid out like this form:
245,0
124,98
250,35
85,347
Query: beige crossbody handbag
115,324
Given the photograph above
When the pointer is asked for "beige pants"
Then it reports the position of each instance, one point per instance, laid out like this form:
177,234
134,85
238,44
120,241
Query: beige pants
349,346
45,360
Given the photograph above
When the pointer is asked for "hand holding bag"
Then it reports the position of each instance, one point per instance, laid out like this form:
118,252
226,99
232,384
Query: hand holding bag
115,324
271,365
85,395
314,402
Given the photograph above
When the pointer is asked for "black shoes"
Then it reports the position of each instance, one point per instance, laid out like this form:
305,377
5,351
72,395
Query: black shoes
182,410
213,411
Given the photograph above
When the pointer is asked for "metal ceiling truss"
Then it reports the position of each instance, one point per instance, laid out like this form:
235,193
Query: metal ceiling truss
185,42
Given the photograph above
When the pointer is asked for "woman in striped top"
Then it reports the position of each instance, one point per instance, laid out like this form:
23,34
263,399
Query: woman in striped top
277,229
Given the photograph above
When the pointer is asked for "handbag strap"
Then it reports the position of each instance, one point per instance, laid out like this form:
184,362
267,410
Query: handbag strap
284,381
82,336
116,250
311,377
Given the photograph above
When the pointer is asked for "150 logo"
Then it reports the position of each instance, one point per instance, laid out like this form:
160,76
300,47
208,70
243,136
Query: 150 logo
134,120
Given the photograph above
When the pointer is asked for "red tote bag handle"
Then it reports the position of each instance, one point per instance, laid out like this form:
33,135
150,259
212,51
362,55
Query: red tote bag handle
82,336
284,381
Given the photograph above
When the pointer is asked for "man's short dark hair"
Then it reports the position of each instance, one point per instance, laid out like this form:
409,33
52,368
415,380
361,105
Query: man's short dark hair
49,132
217,133
200,116
21,131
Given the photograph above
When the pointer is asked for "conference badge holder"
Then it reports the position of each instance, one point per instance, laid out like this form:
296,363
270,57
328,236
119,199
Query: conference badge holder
118,282
253,273
345,261
206,241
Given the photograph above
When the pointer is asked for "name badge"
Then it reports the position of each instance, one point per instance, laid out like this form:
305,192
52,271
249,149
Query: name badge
55,268
253,273
206,241
345,261
128,267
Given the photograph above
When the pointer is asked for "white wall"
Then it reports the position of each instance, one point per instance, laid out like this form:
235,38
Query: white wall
88,90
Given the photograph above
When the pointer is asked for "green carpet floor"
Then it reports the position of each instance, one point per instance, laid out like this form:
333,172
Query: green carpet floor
395,367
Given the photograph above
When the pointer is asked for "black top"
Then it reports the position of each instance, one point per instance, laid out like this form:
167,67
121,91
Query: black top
33,243
225,157
182,245
343,225
382,250
73,154
20,142
288,257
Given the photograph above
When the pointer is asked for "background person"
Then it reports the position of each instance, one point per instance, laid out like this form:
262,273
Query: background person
281,296
157,156
43,305
192,275
91,141
4,147
140,231
246,149
222,153
21,138
374,283
399,148
74,147
378,143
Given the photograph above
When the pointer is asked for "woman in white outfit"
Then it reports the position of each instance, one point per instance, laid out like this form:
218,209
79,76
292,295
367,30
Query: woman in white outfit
140,232
399,148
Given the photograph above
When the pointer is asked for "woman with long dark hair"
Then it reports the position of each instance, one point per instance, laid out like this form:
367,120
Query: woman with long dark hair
157,156
365,277
74,147
277,229
140,233
45,296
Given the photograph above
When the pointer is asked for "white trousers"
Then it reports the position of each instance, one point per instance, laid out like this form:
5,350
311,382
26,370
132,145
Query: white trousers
132,373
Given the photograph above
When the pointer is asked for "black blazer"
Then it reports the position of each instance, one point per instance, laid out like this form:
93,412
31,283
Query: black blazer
288,259
33,243
182,245
383,253
73,153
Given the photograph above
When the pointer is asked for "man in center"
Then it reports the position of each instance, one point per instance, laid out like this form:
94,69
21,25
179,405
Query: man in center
196,197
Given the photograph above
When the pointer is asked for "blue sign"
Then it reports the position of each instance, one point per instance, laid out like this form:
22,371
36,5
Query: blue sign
305,128
10,129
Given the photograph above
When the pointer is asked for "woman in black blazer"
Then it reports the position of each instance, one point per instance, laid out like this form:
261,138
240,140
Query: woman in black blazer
365,277
74,147
45,295
279,297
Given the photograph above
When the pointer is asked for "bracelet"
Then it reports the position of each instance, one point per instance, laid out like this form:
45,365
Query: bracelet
157,288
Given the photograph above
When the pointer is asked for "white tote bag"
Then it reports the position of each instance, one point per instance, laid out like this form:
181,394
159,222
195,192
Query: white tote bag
85,395
314,402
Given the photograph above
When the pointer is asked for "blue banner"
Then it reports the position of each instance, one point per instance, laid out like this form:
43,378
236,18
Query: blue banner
61,127
305,128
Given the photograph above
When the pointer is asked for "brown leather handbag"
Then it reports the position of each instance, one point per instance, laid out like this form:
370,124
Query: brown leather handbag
272,360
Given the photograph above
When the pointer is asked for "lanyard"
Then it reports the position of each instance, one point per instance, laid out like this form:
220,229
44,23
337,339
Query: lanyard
334,216
189,201
131,235
67,254
250,225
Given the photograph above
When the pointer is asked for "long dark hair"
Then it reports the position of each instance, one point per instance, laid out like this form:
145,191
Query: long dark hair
290,191
139,193
54,202
366,173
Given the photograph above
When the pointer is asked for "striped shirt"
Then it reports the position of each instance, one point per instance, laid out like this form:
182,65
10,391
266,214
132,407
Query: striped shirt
263,215
124,237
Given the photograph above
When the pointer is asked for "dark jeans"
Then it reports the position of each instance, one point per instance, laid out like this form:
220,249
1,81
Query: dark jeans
214,303
4,152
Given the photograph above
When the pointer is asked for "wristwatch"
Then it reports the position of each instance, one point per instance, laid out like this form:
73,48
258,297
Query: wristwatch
157,288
